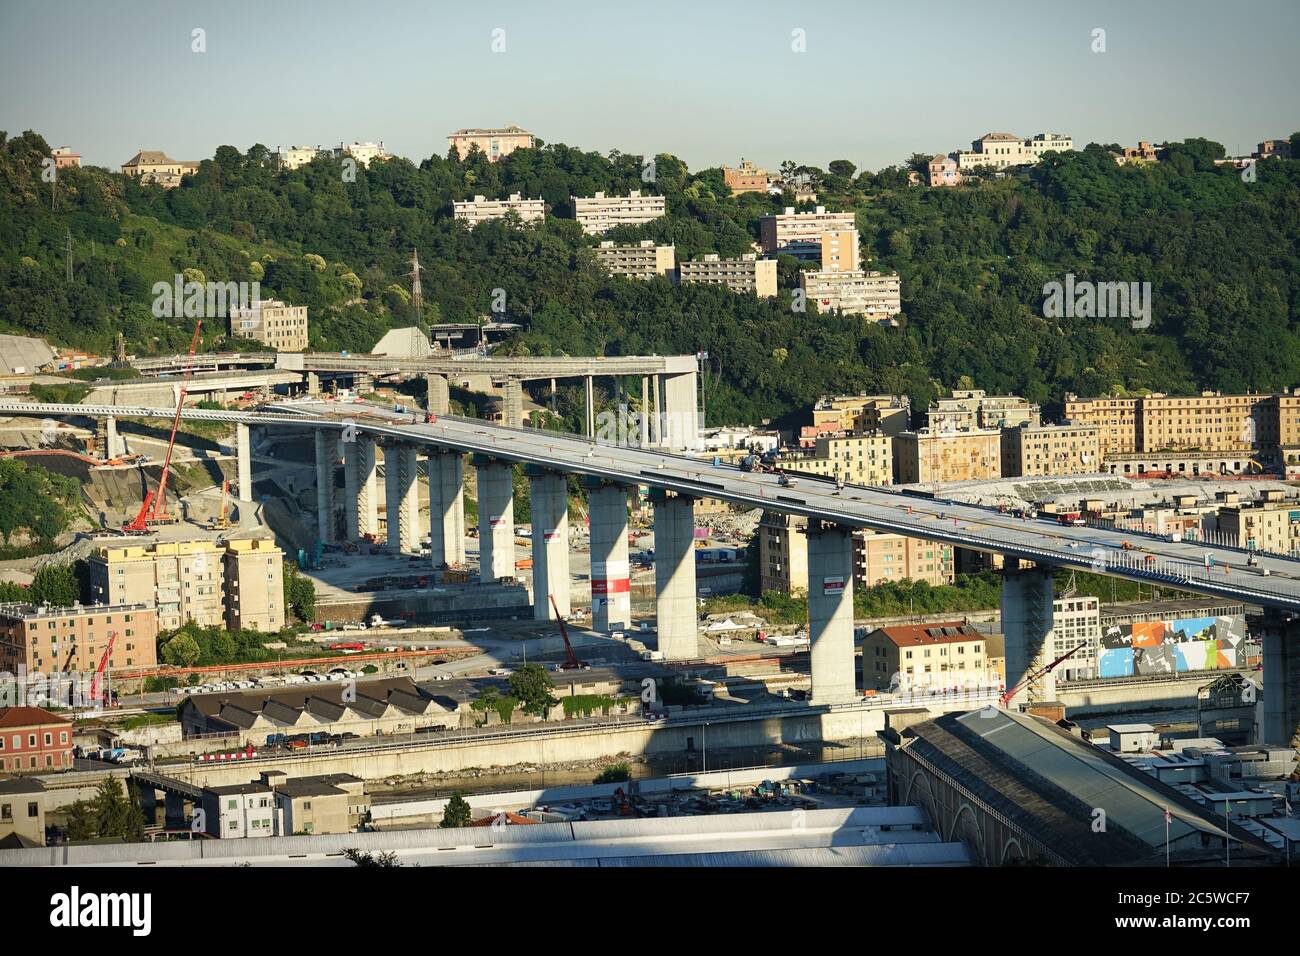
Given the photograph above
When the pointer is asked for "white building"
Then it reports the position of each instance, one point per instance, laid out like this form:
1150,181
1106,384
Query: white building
600,213
645,260
241,810
363,153
295,157
876,295
480,209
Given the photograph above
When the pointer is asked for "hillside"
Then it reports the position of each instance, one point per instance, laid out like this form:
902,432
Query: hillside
1221,255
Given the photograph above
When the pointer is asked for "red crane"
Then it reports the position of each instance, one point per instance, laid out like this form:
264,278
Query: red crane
571,662
1034,675
97,682
154,508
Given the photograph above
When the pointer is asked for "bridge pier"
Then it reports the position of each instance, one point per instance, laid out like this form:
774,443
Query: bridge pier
1281,723
403,503
244,460
550,507
148,801
362,478
1027,629
174,809
446,475
327,454
591,406
830,612
496,519
680,416
438,394
313,383
611,595
114,447
675,592
512,396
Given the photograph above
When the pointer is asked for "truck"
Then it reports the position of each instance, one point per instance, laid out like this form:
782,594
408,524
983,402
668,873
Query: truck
1071,518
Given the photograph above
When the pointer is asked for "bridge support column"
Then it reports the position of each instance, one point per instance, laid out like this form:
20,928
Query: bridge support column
611,593
1281,726
646,411
327,455
830,613
363,503
550,507
675,607
1027,630
400,473
174,810
244,460
656,412
446,508
313,383
438,394
681,418
591,407
148,802
496,519
512,395
114,447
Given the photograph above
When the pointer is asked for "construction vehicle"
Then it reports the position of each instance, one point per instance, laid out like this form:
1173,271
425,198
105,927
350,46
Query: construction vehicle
785,481
98,691
1036,674
571,662
765,463
222,521
154,509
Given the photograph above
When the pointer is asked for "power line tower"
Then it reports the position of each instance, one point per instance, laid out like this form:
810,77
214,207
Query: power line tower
417,294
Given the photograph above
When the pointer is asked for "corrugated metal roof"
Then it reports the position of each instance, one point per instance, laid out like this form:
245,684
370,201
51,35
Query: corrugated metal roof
908,854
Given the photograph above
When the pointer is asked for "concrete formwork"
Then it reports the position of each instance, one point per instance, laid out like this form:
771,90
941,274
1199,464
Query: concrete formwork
438,394
675,612
512,402
400,474
496,519
446,472
611,586
327,454
830,612
550,507
1027,630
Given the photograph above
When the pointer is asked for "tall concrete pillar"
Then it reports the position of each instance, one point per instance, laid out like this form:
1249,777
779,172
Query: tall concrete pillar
351,526
645,411
446,508
1281,723
313,383
403,502
550,507
174,809
656,412
1027,630
367,484
496,519
114,447
830,613
148,797
244,459
675,609
681,416
591,407
512,396
611,586
327,454
439,393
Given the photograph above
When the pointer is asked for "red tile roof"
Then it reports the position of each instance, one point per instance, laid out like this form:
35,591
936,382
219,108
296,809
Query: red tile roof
917,635
28,717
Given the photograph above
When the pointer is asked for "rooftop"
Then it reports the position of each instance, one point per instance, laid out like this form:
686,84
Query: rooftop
918,635
29,716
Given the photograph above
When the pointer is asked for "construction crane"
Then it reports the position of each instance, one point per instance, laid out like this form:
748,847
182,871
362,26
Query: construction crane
97,684
1036,674
571,662
154,508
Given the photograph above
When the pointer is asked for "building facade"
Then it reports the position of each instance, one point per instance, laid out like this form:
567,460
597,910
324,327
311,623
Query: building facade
363,153
747,178
47,640
65,157
854,459
271,322
1035,450
943,171
295,157
645,260
747,274
480,209
33,739
254,585
875,295
600,213
155,166
910,658
800,233
492,143
927,456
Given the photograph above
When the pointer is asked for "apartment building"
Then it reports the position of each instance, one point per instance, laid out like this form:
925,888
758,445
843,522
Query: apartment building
492,143
800,233
1076,622
1049,143
839,252
254,585
927,456
1036,450
877,557
295,157
644,260
600,213
943,171
1268,525
888,414
32,738
866,459
1115,418
747,178
874,295
1004,150
973,408
363,153
271,322
65,157
747,274
921,657
480,209
155,166
45,639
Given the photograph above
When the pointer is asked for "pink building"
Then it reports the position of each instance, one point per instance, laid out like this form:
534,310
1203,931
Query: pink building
943,171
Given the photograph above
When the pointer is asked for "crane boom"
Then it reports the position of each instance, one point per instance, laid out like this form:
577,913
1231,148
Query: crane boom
96,684
571,662
1035,674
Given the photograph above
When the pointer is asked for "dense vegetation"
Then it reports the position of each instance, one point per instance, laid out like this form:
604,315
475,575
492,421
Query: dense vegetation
1221,256
34,501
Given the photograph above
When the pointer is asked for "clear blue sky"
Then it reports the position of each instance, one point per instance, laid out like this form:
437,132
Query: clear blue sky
709,81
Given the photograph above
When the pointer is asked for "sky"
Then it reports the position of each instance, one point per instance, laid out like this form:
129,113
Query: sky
708,81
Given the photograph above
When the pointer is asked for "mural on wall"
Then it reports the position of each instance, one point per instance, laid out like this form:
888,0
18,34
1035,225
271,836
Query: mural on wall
1169,647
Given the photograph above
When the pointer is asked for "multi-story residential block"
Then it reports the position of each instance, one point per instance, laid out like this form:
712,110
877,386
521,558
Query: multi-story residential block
65,157
1049,143
363,153
480,209
854,459
921,657
1210,421
1116,419
1268,525
839,251
973,408
32,738
745,274
875,295
154,166
600,213
492,143
800,233
1032,450
254,584
887,414
295,157
271,322
943,171
877,557
645,260
748,178
1076,622
45,639
928,456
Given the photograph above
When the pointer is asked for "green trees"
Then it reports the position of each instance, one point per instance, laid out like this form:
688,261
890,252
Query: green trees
35,500
111,814
456,814
56,584
299,593
532,686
